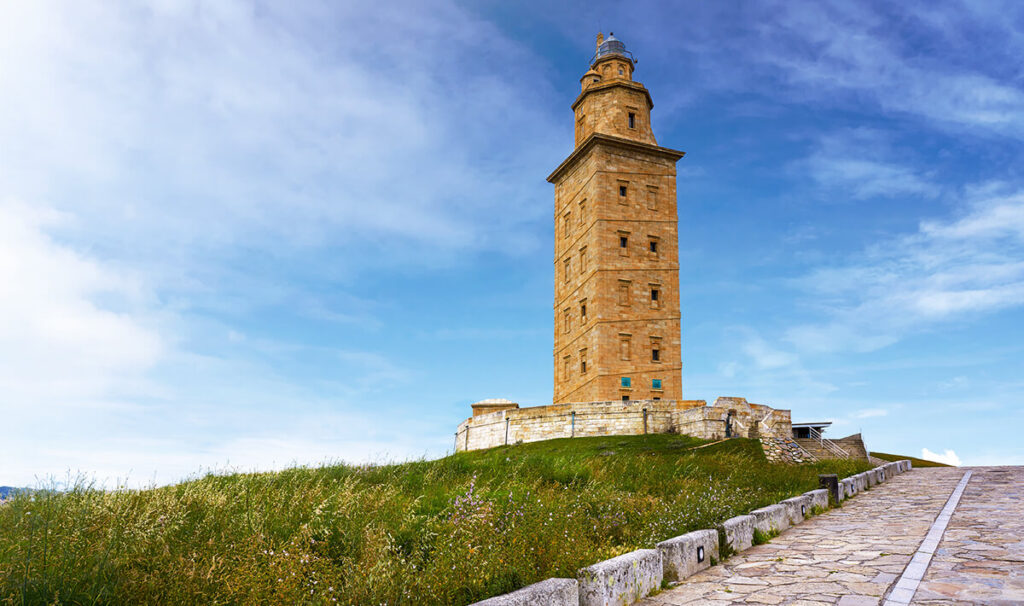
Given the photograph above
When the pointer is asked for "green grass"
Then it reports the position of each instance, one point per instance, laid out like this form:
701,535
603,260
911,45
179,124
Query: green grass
449,531
914,460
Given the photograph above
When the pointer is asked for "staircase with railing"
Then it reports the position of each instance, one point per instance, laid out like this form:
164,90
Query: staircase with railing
821,447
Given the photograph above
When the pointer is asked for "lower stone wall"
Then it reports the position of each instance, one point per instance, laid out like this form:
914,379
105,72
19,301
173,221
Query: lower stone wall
635,417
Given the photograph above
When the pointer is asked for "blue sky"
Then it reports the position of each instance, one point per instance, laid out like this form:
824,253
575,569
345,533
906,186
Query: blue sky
238,235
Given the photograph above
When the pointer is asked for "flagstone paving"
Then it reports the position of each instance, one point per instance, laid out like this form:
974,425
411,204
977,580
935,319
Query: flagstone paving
980,559
848,556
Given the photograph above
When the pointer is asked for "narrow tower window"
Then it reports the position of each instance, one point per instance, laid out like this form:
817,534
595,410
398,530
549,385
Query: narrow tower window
583,311
654,246
622,191
632,116
623,241
583,361
655,355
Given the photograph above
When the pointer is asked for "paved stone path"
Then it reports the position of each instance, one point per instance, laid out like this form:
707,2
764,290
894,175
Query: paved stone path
852,555
980,559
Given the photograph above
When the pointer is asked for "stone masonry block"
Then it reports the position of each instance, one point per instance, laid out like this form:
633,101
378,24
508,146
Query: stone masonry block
819,498
621,580
907,465
739,532
847,487
552,592
773,517
688,554
870,478
797,509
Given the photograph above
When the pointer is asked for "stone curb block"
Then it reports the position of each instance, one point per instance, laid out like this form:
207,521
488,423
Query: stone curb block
870,478
773,517
847,487
819,498
621,580
553,592
739,532
861,479
688,554
797,508
908,465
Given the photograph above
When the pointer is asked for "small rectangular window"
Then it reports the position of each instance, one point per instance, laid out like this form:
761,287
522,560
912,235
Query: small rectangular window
654,294
625,398
654,246
583,311
622,191
625,382
583,361
623,241
632,120
567,269
655,355
655,383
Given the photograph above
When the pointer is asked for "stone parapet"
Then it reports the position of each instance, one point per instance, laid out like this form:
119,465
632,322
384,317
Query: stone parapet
511,425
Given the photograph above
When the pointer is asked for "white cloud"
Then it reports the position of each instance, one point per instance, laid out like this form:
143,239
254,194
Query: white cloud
948,457
850,49
72,327
946,271
860,164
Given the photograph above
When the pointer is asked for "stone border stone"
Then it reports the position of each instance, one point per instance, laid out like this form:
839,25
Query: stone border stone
621,580
819,498
772,518
738,532
553,592
686,555
797,508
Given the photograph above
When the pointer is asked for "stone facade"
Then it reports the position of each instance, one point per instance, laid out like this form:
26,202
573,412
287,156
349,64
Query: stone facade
617,319
515,425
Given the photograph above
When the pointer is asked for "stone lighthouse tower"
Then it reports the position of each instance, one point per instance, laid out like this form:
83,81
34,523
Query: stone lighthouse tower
617,319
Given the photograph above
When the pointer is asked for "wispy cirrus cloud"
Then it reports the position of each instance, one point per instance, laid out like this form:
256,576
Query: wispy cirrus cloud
860,163
947,270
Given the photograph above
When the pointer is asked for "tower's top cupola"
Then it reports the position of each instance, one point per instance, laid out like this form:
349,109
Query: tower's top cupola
611,46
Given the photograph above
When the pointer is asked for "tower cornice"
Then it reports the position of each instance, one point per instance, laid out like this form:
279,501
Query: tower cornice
600,138
614,83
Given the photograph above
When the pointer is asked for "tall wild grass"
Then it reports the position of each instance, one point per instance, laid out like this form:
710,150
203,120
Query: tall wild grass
450,531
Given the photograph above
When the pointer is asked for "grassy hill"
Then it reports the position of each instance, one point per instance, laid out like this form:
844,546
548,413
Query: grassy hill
914,460
449,531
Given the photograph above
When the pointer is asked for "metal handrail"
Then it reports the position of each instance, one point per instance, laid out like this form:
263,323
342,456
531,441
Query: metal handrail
828,444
